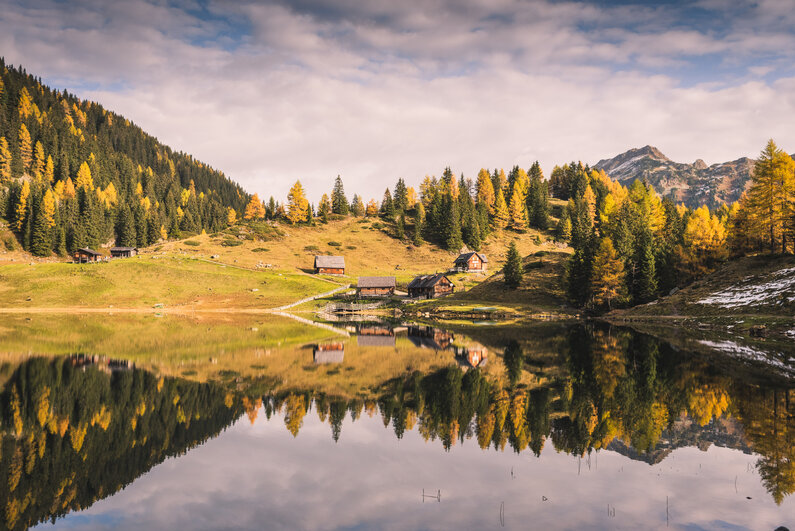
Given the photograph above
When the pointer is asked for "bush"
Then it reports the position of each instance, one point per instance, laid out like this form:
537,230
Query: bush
335,244
260,250
192,243
10,242
351,247
231,242
311,248
541,253
377,225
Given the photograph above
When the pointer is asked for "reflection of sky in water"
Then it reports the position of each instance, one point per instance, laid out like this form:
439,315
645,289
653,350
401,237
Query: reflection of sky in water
260,477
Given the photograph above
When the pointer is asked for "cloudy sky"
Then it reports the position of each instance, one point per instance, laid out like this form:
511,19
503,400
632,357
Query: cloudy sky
271,92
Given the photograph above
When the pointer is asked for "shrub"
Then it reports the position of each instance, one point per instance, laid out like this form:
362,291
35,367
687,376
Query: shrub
310,248
192,243
231,242
541,253
335,244
377,225
351,247
260,250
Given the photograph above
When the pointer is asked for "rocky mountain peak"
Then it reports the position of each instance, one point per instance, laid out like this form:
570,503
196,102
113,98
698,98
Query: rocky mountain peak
699,164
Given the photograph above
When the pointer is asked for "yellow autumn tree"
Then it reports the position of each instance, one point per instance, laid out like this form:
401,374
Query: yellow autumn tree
297,204
704,243
69,191
254,209
411,197
84,179
48,208
25,105
5,160
485,189
771,198
608,281
38,161
295,407
25,147
372,208
21,209
518,210
501,216
231,216
49,170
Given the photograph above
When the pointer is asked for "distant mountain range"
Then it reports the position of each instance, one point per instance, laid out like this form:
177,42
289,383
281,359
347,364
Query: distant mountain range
692,184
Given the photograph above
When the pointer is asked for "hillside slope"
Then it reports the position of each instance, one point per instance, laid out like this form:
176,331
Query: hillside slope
74,174
692,184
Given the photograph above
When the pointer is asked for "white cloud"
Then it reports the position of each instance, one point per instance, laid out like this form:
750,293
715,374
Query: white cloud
388,90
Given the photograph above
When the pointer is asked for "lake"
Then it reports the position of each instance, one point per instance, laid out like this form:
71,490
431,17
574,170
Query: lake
270,422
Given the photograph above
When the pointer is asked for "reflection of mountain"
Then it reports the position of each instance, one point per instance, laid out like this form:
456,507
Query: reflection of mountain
724,432
78,429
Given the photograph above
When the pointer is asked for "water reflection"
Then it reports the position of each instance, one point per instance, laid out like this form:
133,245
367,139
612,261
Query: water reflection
77,429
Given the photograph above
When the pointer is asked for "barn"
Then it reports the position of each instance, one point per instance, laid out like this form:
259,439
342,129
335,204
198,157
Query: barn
330,265
375,287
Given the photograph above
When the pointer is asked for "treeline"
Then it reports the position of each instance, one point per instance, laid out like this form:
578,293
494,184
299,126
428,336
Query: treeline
450,211
631,247
73,174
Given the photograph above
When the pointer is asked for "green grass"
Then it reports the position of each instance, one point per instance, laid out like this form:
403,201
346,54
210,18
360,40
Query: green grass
144,281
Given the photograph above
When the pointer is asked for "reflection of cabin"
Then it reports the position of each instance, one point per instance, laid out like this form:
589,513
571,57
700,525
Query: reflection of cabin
329,353
471,263
430,286
471,356
85,255
375,335
330,265
123,252
430,337
375,341
375,287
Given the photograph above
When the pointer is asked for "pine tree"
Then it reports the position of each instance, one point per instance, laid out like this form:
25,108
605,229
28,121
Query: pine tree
357,206
644,285
451,224
125,227
387,206
297,204
339,203
40,238
400,226
5,161
324,209
25,147
501,216
419,221
401,199
608,281
513,269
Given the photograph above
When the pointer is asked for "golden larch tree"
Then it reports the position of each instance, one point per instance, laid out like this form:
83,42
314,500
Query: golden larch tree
21,209
38,161
297,204
25,147
518,210
84,179
501,217
485,189
372,208
5,160
608,281
49,170
254,209
48,208
771,198
231,216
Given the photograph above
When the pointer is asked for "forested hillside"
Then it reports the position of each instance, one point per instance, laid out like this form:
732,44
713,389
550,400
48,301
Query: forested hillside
73,174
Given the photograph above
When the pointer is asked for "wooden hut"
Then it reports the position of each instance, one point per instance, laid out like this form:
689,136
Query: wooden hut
471,262
123,252
330,265
84,255
375,287
430,286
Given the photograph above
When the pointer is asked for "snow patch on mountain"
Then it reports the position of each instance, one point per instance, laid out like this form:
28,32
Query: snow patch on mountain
746,353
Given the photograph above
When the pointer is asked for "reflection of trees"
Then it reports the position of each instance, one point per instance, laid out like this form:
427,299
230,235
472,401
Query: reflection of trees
621,387
74,434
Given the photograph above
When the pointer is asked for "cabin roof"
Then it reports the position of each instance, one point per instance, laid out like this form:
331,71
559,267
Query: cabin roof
334,262
463,258
426,281
376,282
86,250
122,249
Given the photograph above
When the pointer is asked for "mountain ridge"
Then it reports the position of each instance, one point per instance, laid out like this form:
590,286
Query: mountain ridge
693,184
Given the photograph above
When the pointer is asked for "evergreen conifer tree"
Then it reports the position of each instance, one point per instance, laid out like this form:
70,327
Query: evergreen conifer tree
339,203
513,269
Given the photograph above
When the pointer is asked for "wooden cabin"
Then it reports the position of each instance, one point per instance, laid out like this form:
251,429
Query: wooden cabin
123,252
329,353
375,287
430,286
85,255
474,356
330,265
471,262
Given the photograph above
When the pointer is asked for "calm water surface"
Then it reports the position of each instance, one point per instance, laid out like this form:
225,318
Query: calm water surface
253,423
